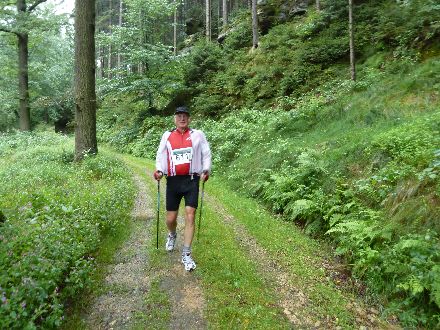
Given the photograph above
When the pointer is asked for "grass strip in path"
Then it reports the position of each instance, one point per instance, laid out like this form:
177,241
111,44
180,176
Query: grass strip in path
178,297
236,296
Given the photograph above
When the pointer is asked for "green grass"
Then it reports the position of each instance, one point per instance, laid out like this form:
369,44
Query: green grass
236,293
236,296
158,309
57,214
77,308
300,255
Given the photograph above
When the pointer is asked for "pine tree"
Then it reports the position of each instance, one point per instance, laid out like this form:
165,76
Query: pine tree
85,95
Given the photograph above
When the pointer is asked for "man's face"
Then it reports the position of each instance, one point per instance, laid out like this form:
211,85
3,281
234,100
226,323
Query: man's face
182,120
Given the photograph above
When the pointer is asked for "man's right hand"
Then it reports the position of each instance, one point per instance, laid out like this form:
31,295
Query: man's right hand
157,175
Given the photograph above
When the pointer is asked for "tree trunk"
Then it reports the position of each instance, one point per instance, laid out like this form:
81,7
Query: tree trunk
120,26
85,95
100,69
208,19
23,75
350,29
109,68
175,29
23,82
141,39
254,25
225,13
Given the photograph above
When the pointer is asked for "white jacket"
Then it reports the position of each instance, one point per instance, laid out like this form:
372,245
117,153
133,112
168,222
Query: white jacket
201,157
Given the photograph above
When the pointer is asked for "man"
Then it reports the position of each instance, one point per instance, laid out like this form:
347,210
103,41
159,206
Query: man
185,158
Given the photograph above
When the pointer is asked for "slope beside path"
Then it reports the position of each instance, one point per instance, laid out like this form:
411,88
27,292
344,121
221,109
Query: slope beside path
253,271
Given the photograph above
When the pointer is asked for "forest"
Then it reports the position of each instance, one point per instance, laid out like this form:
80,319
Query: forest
323,118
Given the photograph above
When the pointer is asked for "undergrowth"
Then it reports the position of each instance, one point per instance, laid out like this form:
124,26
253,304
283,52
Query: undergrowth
357,162
366,176
56,213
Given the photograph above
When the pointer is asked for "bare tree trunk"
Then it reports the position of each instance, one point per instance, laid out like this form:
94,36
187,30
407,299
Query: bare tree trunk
100,71
208,19
109,69
120,26
23,82
141,39
219,14
350,29
318,5
175,29
85,95
225,12
23,75
254,25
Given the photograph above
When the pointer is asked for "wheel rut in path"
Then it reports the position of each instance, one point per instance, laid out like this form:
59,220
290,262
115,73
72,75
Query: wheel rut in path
186,296
183,288
188,303
292,300
126,283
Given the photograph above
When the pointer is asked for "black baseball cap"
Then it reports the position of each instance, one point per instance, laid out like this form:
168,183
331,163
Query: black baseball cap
182,109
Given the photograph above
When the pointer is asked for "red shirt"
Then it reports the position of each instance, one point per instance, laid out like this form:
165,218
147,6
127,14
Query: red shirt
179,159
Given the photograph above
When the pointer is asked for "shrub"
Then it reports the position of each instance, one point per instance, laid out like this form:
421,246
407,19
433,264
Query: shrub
54,225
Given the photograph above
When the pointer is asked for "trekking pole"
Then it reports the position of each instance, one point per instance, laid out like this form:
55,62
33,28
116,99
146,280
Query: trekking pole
158,209
201,207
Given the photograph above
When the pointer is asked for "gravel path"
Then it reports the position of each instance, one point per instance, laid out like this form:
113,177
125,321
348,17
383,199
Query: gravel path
187,301
128,279
126,284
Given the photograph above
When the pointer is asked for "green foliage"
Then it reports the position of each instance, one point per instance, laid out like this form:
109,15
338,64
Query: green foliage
131,128
53,226
356,160
151,133
239,33
50,66
203,63
366,174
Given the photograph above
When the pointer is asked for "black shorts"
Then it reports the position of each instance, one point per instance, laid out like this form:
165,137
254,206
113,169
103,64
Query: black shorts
182,186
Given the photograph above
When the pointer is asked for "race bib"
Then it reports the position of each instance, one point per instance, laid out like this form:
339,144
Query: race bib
182,156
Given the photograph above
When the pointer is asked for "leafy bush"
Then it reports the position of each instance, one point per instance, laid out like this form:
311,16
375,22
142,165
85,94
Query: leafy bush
369,184
151,133
56,214
239,34
204,61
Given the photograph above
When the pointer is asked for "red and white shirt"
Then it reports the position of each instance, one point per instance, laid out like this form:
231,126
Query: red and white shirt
183,153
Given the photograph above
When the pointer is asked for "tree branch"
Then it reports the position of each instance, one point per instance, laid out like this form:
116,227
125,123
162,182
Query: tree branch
32,7
3,29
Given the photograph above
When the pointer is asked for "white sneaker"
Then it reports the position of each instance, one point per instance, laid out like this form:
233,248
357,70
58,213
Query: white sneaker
171,241
188,262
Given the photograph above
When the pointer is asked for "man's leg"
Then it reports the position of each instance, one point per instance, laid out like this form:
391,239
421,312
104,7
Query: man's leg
171,221
189,225
188,235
